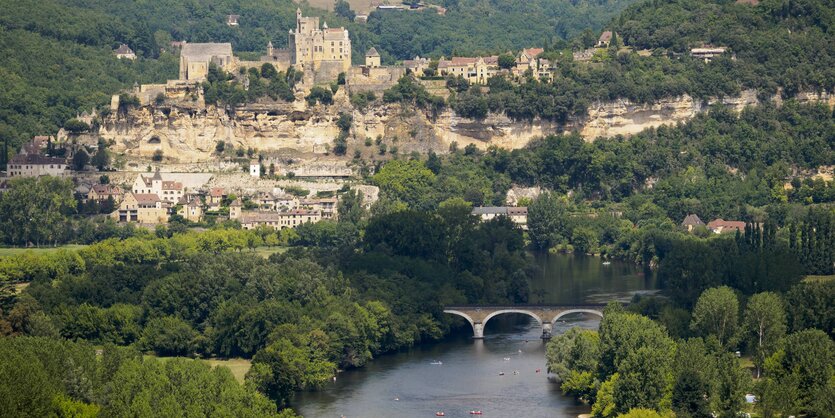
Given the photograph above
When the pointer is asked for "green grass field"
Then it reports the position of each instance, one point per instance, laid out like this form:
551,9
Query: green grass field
8,251
238,366
819,279
266,252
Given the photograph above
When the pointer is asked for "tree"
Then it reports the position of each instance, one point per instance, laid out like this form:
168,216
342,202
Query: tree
168,336
803,368
76,126
690,396
406,180
350,208
284,366
507,61
764,325
547,221
101,159
268,71
343,8
36,210
80,160
640,352
717,313
731,385
573,357
810,306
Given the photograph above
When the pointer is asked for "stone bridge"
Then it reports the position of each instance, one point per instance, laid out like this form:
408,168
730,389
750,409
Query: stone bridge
545,315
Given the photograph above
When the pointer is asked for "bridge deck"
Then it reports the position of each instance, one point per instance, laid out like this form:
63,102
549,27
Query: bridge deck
545,315
537,307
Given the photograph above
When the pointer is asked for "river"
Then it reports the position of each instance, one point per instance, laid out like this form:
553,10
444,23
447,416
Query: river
407,384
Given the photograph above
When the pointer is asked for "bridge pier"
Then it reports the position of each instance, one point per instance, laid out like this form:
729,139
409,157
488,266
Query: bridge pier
478,331
546,330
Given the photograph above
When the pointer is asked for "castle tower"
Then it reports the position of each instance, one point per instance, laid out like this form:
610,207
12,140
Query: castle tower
314,47
372,58
270,48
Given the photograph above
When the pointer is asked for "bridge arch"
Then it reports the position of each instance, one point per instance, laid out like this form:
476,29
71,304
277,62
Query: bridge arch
461,314
571,311
507,311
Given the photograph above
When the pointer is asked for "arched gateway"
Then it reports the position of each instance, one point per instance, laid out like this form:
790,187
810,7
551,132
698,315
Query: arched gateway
545,315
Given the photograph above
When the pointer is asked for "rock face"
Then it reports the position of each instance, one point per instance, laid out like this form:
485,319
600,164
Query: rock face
190,135
625,118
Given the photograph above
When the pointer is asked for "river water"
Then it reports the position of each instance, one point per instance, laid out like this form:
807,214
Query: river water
408,384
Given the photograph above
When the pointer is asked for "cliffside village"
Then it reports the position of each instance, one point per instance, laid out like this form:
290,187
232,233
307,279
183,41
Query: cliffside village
322,53
155,198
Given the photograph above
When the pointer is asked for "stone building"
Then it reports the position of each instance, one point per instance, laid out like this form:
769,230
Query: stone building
476,70
36,165
321,50
144,208
372,58
519,215
169,191
196,58
101,192
124,51
278,220
417,66
192,211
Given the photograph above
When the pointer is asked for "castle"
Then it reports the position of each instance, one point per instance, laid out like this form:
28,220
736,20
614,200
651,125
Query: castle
325,51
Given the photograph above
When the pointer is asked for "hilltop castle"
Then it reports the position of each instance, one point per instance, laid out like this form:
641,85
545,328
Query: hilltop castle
319,50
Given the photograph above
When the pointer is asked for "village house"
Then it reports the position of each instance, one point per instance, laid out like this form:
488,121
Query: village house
721,226
265,201
417,66
192,211
707,53
144,208
285,202
232,20
325,206
124,51
519,215
236,208
195,59
278,220
215,198
691,221
255,168
527,60
476,70
169,191
102,192
37,146
605,39
35,165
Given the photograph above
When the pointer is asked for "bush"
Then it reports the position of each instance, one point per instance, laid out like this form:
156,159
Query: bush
76,126
319,94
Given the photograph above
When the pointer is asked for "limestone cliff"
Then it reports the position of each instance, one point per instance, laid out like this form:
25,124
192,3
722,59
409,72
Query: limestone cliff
190,134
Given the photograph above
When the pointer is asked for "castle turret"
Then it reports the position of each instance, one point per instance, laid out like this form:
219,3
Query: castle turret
270,48
372,58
